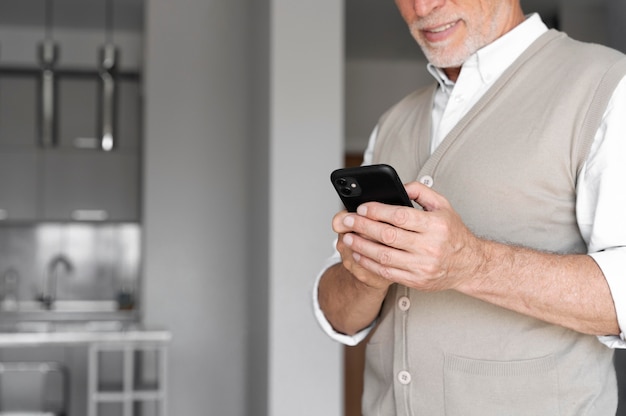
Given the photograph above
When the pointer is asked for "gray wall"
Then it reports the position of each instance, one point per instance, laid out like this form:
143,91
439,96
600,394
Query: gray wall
195,213
616,10
243,125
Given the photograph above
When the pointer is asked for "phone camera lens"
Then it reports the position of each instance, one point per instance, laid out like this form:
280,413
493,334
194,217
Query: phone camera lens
346,191
342,182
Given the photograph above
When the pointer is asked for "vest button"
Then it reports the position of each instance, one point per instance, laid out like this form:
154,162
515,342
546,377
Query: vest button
427,180
404,377
404,303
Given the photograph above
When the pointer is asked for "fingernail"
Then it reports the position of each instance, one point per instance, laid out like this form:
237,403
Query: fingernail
348,221
356,256
347,239
361,210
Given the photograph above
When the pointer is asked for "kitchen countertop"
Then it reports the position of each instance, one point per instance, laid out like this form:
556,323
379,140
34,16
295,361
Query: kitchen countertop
84,334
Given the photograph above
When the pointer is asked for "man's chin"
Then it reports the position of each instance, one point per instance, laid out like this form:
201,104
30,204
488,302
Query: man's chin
444,62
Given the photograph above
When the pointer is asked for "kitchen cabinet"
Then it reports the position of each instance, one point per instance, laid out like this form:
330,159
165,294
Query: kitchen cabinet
73,180
89,186
18,110
18,153
78,98
18,185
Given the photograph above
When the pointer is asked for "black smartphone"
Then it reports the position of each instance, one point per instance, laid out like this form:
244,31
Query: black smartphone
361,184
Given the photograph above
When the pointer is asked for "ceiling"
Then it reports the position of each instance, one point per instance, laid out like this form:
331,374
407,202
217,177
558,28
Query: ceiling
374,28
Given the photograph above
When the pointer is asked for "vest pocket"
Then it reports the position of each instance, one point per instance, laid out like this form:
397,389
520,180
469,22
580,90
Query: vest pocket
494,388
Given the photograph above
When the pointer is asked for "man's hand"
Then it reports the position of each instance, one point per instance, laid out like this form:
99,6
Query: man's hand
349,258
428,250
432,250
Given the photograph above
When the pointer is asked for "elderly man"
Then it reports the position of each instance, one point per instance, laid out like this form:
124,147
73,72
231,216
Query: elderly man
506,293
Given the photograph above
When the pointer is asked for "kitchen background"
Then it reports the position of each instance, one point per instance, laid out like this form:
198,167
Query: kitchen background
228,117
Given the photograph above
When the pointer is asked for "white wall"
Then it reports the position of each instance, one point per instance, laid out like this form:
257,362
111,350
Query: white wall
306,120
242,130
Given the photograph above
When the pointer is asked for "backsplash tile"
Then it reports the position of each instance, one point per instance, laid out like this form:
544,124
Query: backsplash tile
105,258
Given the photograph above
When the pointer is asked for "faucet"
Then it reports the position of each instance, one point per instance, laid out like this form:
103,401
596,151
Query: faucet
49,289
10,289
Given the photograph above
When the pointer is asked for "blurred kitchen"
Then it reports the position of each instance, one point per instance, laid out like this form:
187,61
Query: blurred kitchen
163,189
146,249
70,203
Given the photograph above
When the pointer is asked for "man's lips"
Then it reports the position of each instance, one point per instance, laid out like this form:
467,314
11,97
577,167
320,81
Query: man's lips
439,33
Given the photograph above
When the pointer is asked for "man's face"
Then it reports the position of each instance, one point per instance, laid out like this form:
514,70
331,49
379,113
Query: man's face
449,31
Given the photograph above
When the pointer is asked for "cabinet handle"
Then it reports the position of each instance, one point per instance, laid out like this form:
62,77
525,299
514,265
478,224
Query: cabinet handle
108,55
47,99
90,215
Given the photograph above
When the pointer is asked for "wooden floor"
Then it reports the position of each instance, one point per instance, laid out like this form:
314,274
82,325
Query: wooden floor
353,379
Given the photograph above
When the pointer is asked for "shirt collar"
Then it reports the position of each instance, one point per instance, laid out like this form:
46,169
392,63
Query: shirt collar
492,60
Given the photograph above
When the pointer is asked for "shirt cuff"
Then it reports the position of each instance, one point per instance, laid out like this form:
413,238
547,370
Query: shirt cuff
321,318
612,262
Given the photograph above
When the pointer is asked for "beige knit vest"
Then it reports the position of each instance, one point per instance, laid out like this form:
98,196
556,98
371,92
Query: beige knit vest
509,168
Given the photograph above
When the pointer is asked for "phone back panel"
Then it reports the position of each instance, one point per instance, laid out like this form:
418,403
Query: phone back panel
361,184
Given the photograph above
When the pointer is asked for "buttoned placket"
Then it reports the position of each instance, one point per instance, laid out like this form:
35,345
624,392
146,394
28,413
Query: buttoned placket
403,374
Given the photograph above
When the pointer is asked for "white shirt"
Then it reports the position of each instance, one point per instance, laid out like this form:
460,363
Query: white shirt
601,193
